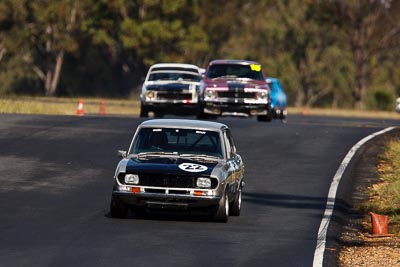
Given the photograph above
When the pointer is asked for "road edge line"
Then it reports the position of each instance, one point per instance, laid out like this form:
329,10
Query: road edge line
330,203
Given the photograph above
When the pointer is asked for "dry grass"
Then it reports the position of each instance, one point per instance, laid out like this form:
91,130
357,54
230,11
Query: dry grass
384,199
68,106
385,196
346,113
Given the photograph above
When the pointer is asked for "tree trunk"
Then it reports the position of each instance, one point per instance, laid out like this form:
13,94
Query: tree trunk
359,93
54,64
361,65
300,98
49,63
2,52
57,72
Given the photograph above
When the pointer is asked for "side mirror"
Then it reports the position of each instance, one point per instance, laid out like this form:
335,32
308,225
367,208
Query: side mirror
122,153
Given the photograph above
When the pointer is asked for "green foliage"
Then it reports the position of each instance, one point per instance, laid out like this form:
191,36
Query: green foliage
18,78
106,46
382,95
381,99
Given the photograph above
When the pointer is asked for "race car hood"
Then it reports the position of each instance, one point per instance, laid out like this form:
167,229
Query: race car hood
170,166
168,85
236,83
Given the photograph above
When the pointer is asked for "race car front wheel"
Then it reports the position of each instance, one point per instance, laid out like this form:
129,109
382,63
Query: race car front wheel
200,115
118,209
267,117
222,212
144,111
237,203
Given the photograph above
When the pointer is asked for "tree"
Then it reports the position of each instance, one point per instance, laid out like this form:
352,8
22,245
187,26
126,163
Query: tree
52,26
220,20
136,34
285,38
38,34
15,67
326,53
373,29
159,31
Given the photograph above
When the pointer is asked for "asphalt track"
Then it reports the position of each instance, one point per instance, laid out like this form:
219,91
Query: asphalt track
56,178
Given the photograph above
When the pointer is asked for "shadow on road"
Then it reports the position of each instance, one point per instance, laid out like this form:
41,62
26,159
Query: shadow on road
295,201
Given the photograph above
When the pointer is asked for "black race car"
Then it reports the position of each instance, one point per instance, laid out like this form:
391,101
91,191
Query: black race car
175,164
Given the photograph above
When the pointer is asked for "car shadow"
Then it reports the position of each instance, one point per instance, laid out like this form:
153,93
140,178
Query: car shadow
292,201
167,215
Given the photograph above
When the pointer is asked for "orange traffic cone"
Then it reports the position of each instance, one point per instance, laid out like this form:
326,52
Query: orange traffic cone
304,111
79,112
102,108
379,224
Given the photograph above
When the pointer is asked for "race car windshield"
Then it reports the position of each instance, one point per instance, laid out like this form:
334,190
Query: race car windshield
222,71
178,141
173,76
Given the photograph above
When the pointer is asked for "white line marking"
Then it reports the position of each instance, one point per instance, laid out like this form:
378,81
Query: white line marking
323,228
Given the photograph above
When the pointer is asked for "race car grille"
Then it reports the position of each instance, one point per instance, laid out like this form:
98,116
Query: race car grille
173,96
237,95
170,181
167,181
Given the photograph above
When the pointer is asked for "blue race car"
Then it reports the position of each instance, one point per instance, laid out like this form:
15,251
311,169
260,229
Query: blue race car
278,98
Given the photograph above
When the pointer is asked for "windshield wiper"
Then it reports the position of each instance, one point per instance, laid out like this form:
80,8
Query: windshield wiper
199,156
156,154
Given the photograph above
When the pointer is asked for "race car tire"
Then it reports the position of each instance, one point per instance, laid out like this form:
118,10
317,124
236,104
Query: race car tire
266,118
139,212
144,111
200,114
118,209
237,204
222,211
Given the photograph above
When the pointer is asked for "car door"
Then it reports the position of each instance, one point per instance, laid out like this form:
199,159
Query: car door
234,163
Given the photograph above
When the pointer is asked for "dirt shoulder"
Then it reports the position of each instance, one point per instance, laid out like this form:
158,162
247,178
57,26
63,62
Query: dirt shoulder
356,246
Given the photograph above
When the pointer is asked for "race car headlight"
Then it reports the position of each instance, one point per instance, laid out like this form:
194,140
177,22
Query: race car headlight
209,93
131,178
203,182
262,95
150,94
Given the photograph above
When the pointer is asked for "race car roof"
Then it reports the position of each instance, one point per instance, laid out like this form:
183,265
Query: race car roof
175,65
184,124
233,61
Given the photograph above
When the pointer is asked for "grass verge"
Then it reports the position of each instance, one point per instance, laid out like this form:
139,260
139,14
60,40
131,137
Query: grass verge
384,197
68,106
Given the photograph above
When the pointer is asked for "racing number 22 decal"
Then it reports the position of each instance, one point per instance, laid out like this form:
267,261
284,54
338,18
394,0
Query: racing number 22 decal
192,167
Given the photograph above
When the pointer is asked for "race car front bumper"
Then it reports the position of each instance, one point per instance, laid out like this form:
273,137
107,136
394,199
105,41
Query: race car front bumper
235,109
167,198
